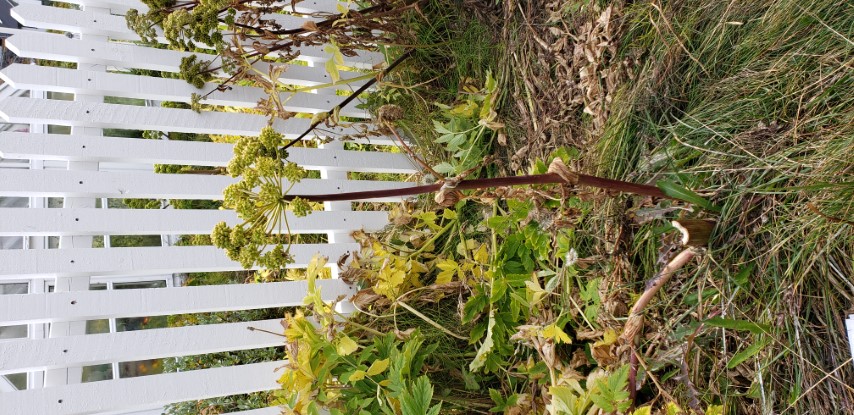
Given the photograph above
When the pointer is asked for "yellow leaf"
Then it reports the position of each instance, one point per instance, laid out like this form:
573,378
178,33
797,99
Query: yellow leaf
465,246
466,109
449,214
346,346
673,409
357,376
385,383
315,266
449,267
482,254
378,367
715,410
552,331
332,70
644,410
609,338
417,267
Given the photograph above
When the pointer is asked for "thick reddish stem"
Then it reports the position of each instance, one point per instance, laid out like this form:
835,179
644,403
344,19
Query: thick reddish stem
547,178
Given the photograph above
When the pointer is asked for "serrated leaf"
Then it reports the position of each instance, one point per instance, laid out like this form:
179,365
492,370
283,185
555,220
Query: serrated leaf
379,366
346,346
745,354
733,324
444,168
563,399
552,331
682,193
417,401
449,214
482,254
449,268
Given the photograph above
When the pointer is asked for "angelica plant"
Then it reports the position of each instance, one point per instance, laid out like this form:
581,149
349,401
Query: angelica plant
260,200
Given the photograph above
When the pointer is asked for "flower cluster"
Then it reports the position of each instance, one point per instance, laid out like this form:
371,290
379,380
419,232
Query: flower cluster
261,201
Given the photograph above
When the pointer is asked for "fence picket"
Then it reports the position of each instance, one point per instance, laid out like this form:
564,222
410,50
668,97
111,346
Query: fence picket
40,45
132,117
93,305
54,79
101,72
73,351
17,145
48,183
63,222
26,263
142,392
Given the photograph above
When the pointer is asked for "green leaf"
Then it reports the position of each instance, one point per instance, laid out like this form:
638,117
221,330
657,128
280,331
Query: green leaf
474,306
417,401
745,354
611,394
563,399
441,128
682,193
743,275
733,324
444,168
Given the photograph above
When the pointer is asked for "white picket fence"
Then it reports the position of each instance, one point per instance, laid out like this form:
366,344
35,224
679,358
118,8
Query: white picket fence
85,166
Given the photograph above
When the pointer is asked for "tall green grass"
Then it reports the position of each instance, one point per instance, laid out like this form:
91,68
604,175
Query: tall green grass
751,103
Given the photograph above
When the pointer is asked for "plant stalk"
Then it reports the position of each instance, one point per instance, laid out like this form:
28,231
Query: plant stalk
547,178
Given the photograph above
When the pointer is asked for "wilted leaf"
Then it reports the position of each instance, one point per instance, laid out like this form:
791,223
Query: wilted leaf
485,347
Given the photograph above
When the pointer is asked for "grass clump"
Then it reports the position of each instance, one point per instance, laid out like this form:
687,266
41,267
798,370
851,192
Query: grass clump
751,104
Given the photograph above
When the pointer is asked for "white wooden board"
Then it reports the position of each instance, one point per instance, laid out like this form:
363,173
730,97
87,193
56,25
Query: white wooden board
27,355
43,45
17,145
93,305
132,117
48,263
64,222
142,392
51,183
73,81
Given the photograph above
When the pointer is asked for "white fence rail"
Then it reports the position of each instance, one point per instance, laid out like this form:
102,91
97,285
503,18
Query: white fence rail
43,333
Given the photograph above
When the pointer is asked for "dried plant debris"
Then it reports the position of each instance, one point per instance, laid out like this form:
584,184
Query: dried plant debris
567,73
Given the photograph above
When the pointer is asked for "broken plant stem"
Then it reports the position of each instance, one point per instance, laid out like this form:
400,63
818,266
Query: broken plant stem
661,278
